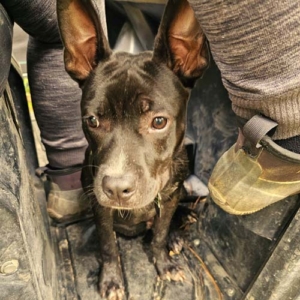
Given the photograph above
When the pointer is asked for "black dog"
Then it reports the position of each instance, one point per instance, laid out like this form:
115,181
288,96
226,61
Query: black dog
134,111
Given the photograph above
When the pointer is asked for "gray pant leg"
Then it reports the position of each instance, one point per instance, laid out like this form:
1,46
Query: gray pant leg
56,102
256,45
55,96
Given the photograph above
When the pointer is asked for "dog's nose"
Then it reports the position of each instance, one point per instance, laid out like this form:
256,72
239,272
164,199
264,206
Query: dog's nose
119,188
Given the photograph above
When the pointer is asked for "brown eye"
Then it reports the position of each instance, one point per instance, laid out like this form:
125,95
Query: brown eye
159,123
92,121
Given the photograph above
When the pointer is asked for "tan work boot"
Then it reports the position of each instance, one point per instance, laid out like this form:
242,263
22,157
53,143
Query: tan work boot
255,172
66,201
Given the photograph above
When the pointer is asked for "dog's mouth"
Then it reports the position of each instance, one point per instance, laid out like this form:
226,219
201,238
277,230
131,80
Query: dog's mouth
133,204
156,200
120,208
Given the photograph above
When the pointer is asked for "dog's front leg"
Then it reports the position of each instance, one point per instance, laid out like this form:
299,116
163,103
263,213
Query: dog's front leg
166,267
110,280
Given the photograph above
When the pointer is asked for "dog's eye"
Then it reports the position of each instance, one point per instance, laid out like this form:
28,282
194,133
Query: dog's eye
92,121
159,123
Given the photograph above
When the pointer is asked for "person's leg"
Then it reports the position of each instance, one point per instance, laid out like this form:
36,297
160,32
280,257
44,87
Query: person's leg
256,47
56,101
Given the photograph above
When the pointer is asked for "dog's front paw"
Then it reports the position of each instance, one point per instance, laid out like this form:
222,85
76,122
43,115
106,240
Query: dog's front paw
176,242
172,272
111,289
169,270
111,283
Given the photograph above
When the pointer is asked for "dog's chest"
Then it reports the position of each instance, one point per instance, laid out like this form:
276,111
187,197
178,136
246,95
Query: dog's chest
134,222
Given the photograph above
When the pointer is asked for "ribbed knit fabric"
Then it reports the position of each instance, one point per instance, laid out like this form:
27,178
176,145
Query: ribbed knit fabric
256,45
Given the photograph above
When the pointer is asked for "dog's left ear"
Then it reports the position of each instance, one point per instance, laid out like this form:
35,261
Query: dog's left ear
83,37
181,43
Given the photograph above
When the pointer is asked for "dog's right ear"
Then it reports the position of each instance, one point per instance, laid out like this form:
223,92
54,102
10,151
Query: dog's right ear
181,43
83,37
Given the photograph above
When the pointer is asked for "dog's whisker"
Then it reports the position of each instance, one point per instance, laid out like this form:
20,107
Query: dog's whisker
127,214
122,213
90,166
119,213
87,196
88,191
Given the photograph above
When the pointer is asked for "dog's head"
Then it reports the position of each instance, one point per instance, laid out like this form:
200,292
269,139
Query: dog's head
133,106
